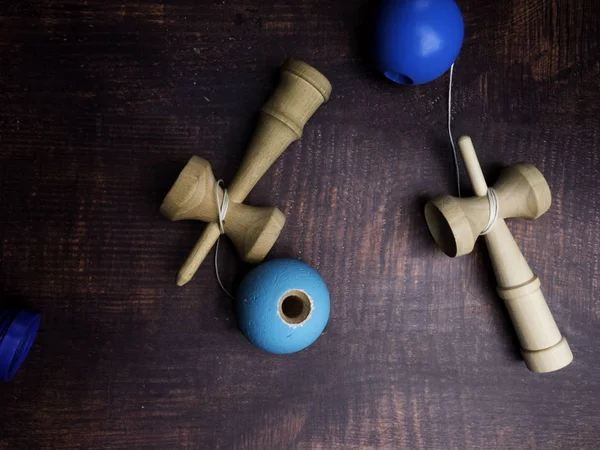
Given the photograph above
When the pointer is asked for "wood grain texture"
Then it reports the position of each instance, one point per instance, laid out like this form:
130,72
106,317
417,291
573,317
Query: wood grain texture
101,105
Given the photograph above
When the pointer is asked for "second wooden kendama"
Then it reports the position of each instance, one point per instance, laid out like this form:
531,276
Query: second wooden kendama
456,223
196,194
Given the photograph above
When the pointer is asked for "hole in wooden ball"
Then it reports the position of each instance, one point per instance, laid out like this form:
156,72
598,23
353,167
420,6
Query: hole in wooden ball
294,307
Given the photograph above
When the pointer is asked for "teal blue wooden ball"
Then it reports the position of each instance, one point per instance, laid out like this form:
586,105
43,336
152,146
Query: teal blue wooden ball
282,306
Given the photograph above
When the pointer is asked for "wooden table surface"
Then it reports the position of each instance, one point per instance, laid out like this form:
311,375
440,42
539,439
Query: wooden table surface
101,105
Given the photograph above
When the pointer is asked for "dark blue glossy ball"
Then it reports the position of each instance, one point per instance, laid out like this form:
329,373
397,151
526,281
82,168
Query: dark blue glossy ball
416,41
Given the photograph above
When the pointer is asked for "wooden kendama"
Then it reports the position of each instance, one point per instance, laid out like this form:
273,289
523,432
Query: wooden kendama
196,194
456,223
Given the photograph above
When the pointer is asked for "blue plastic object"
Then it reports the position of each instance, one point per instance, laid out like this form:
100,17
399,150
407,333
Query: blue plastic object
282,306
17,331
416,41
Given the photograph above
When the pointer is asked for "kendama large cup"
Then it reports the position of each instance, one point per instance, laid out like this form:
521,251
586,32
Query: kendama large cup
301,90
456,223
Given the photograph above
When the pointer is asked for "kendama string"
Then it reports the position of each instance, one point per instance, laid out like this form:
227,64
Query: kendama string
222,206
450,130
491,193
494,209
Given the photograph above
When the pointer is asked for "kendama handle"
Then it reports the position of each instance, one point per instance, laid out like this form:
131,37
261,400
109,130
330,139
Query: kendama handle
543,348
301,90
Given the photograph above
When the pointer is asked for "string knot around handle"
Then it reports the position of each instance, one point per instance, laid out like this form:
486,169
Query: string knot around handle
494,210
222,207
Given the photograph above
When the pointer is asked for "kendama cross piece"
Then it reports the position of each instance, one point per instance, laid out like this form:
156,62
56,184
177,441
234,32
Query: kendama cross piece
301,90
456,223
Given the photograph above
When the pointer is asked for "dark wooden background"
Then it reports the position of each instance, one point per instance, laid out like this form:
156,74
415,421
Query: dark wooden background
101,105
